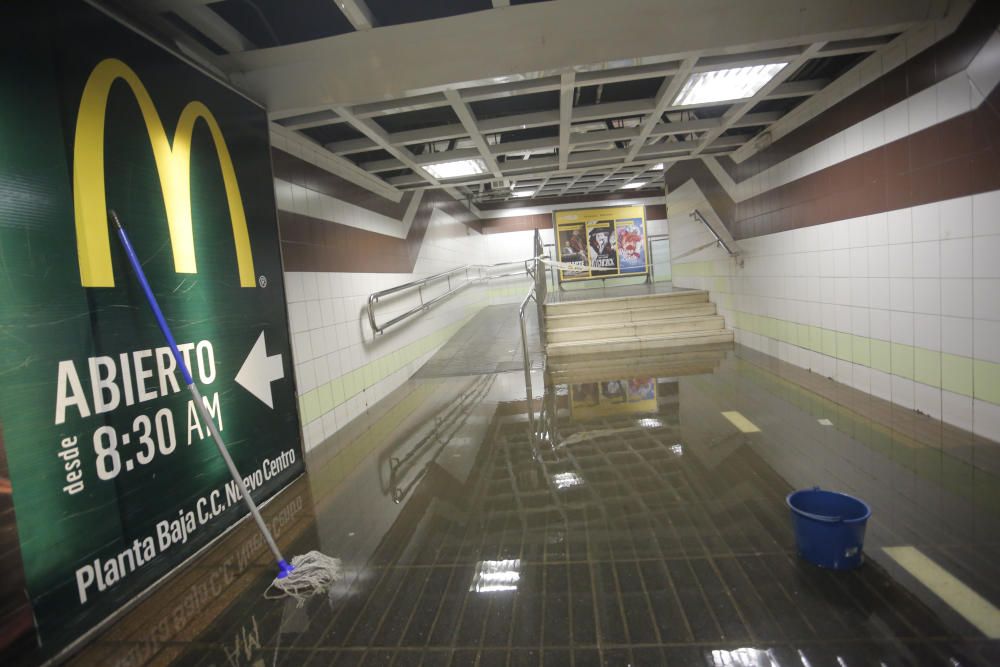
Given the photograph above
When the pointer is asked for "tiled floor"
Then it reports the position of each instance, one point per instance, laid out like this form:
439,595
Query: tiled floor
646,532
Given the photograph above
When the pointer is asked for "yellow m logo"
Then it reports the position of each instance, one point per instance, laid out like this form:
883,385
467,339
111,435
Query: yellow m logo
173,164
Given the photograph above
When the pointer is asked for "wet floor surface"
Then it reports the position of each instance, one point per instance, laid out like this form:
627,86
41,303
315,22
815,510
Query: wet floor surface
634,525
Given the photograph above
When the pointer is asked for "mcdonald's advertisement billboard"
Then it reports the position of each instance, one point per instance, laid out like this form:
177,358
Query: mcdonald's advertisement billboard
113,475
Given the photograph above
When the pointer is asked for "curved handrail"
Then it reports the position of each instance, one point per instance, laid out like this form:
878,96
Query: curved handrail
374,297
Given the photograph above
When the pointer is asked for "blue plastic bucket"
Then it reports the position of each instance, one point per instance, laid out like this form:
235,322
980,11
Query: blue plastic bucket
829,527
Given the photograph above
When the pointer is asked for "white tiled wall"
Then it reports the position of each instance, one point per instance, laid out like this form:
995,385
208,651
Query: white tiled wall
510,247
920,284
947,99
334,348
904,47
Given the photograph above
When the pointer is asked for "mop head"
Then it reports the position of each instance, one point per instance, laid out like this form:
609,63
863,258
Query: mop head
310,574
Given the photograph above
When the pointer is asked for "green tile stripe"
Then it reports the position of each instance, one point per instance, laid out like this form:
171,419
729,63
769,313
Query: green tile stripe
976,378
319,401
510,290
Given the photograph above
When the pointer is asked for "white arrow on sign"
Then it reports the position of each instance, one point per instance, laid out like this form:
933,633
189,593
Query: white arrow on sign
259,371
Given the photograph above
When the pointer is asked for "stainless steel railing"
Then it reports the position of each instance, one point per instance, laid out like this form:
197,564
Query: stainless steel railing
722,235
483,271
537,293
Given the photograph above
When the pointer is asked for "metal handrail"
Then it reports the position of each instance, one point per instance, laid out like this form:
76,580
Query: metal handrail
696,215
527,357
374,297
537,293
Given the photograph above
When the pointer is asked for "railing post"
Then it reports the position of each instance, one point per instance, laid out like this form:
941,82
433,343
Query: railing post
527,363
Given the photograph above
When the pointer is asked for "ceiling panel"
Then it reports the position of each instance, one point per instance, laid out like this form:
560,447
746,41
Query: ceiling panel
395,12
273,22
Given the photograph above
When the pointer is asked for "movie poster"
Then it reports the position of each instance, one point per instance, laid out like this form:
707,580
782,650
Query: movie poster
573,250
631,245
604,242
601,248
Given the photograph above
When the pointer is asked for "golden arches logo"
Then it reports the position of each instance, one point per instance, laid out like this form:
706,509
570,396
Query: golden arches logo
173,164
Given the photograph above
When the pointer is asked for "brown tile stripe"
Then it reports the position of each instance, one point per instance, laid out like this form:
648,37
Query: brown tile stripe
949,56
309,244
956,158
295,170
518,223
574,199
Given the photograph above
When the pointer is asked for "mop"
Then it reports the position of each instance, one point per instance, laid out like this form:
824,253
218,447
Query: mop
306,575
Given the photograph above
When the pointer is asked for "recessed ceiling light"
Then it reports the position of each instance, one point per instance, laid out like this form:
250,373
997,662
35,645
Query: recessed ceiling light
456,168
522,193
634,185
657,167
726,84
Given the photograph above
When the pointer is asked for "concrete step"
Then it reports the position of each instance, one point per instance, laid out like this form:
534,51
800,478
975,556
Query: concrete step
643,345
645,313
613,329
694,360
627,302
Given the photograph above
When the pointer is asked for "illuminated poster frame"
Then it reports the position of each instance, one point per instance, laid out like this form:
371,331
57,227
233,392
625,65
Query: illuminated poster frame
606,242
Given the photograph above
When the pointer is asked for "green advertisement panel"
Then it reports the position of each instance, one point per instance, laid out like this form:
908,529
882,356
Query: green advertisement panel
115,479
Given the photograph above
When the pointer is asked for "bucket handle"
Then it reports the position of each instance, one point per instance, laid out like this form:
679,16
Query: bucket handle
817,517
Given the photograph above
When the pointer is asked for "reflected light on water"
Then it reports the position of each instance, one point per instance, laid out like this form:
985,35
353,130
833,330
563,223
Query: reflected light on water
495,576
744,657
566,480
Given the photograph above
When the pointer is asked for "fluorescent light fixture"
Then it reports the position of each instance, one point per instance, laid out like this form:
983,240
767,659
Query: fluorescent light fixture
677,449
522,193
726,84
566,480
456,169
650,422
657,167
634,185
496,576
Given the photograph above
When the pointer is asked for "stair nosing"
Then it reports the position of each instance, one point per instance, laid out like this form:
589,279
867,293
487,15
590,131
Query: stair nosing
667,320
638,339
607,299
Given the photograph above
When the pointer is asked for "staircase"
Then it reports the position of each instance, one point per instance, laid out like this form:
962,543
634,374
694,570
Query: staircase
646,324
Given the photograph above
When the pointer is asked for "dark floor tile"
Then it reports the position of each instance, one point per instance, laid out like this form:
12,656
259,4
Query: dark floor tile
556,657
527,630
719,598
432,658
525,657
616,658
696,610
499,620
464,658
427,607
378,658
610,625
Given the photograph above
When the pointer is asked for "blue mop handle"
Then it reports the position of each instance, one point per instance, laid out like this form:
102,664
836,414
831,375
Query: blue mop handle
141,275
283,567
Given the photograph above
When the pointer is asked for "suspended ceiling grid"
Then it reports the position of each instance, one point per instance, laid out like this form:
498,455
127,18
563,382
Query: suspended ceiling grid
587,129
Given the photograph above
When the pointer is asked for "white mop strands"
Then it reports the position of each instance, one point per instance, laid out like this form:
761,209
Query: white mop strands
308,574
312,573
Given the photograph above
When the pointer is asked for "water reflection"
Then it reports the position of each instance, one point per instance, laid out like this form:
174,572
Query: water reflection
632,524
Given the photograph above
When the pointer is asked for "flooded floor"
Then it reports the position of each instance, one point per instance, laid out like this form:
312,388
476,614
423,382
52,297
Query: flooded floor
632,523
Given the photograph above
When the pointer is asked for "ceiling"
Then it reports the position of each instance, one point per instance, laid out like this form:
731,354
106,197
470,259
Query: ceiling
563,127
